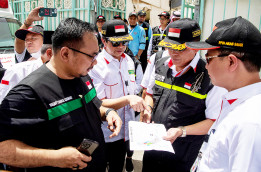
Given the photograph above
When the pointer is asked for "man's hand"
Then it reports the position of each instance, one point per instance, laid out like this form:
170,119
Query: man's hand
137,103
69,157
172,134
145,116
114,123
34,16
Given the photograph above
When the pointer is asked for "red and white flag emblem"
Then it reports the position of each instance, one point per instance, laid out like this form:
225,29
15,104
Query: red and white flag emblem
5,82
173,32
187,85
119,28
89,85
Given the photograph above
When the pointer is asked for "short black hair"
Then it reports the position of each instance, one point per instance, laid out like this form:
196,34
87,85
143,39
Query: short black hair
251,61
70,33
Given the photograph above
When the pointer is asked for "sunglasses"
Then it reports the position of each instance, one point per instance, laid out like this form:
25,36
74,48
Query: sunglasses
90,56
208,58
116,44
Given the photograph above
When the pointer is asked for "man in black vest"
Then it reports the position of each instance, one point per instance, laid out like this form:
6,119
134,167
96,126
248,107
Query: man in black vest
148,31
48,114
159,33
177,95
29,39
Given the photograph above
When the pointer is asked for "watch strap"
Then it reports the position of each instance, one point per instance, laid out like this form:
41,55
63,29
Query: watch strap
108,111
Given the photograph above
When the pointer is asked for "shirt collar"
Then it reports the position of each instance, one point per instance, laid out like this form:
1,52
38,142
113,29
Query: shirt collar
108,58
192,64
237,96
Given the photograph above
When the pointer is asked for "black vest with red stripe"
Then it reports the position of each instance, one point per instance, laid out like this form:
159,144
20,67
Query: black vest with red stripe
175,108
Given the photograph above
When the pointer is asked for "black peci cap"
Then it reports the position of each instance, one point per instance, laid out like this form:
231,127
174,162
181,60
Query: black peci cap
117,16
235,33
47,37
179,32
164,13
133,14
116,31
21,33
101,18
141,13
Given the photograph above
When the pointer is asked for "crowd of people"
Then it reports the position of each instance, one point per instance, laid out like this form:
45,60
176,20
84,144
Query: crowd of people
85,81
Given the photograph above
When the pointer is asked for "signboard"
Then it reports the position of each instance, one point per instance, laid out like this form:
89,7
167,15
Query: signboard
7,60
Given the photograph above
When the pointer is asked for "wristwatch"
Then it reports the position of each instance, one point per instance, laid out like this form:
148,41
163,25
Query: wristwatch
184,131
138,57
108,111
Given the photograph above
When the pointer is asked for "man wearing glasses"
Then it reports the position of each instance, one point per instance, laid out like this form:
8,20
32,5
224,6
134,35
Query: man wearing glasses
182,98
29,39
234,61
159,32
114,80
48,114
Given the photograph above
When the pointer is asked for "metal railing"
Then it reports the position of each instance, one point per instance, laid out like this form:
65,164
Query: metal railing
86,10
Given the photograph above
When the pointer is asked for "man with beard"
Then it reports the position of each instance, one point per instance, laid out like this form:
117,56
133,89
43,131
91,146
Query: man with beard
49,113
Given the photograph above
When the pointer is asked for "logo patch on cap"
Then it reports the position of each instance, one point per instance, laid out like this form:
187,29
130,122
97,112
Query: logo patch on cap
196,33
173,32
119,28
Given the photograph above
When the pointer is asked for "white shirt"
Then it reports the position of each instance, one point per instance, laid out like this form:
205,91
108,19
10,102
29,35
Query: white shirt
15,74
149,69
113,79
213,99
20,57
235,138
139,76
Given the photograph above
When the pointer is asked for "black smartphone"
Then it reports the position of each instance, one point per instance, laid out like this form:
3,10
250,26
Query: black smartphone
88,146
48,12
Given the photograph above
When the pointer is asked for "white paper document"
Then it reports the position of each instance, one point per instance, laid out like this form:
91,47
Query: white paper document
145,136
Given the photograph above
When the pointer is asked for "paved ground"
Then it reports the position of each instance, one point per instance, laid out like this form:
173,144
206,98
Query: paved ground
137,161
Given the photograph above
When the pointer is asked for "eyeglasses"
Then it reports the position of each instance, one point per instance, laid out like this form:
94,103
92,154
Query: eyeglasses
30,39
208,58
92,57
116,44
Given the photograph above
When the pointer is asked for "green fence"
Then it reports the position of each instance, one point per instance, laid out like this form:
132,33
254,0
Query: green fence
86,10
213,11
110,8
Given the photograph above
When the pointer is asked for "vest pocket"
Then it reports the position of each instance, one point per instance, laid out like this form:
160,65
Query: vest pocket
68,121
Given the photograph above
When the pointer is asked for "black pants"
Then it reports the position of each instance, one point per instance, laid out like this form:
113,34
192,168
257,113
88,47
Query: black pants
115,153
181,161
143,60
129,152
